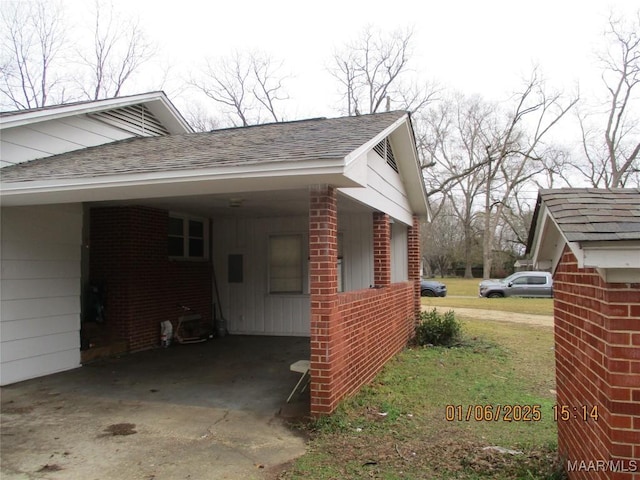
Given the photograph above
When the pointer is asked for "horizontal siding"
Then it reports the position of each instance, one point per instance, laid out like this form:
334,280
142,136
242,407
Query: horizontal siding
38,307
53,137
38,346
38,366
385,190
382,179
17,289
33,327
22,270
40,296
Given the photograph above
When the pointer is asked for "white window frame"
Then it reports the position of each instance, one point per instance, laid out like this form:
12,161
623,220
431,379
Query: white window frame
299,291
185,237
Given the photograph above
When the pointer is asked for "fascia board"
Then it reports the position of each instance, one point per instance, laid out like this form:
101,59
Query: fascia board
409,169
358,152
411,174
619,275
612,256
306,172
83,108
549,242
169,115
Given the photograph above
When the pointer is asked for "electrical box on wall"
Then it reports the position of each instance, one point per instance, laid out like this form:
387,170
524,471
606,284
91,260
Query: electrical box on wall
235,268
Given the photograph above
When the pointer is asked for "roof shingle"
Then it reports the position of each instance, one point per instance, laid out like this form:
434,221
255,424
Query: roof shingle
591,214
317,139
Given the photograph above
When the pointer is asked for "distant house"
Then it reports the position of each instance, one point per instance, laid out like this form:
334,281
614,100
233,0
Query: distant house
590,240
522,265
306,228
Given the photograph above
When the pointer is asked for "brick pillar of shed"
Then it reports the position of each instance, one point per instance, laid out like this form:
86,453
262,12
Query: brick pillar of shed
597,347
326,338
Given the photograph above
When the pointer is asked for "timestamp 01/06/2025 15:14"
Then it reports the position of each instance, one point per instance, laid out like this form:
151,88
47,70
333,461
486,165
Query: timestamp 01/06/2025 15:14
518,413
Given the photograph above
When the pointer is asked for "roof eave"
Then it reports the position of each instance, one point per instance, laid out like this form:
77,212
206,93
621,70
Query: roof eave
163,184
157,102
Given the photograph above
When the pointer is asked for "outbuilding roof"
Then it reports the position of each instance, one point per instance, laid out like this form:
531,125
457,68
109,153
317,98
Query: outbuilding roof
591,214
316,139
601,227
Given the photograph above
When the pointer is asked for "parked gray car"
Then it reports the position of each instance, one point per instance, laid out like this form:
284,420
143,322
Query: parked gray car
520,284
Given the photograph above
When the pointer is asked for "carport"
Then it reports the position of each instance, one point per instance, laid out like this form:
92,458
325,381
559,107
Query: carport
203,410
312,227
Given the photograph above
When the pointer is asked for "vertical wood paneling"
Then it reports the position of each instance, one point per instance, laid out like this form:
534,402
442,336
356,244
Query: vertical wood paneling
248,307
40,295
399,254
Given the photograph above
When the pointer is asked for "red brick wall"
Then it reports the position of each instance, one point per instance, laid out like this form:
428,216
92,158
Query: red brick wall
413,245
597,335
353,334
376,324
128,255
381,249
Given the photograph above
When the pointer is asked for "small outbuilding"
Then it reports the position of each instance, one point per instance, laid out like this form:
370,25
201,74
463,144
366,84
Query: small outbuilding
590,241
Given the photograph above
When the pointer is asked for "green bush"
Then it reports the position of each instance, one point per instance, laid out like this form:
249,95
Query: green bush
438,329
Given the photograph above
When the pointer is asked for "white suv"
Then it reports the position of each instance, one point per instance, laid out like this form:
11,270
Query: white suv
520,284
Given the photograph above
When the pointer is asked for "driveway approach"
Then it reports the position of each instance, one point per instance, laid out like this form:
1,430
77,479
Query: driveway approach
197,411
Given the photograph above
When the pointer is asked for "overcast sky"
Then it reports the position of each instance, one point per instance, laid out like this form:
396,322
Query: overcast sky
474,46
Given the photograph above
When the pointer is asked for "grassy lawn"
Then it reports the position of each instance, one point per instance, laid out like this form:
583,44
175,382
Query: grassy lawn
463,293
397,428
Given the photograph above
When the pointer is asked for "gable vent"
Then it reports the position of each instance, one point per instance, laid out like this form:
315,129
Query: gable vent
136,119
384,150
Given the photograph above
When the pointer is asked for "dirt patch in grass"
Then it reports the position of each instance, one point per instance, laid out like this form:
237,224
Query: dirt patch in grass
498,316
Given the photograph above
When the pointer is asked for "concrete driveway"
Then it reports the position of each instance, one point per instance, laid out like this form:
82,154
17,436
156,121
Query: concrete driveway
209,410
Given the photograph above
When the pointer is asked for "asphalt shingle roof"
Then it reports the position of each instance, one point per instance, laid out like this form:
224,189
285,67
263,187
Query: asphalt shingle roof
592,214
316,139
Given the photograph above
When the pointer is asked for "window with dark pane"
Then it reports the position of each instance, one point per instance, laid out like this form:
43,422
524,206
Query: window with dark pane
176,237
187,237
196,239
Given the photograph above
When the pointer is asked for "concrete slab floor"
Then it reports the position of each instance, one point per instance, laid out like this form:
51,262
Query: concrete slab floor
207,410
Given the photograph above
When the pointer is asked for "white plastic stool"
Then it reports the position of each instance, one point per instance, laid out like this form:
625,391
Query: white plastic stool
301,366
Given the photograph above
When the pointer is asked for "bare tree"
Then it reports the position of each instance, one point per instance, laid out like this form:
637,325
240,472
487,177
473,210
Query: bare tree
199,119
34,47
453,141
119,50
516,151
612,151
33,37
371,72
249,86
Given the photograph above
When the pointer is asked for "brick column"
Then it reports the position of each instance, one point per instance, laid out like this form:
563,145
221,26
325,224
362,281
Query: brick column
381,250
597,349
413,248
323,272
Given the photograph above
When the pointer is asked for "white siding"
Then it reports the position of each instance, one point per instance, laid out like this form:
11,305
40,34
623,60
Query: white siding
248,307
399,253
40,291
357,235
52,137
385,190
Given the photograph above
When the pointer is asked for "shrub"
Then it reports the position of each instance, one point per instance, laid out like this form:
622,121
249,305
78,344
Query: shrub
438,329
